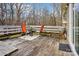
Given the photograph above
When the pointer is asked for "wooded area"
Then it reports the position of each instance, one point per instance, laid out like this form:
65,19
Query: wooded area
15,13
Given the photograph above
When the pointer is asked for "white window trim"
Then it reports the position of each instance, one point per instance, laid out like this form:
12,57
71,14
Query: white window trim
70,32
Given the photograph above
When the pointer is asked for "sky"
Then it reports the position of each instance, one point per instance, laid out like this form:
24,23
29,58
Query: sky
48,6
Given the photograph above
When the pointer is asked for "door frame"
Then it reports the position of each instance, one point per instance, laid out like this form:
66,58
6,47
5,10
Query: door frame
71,28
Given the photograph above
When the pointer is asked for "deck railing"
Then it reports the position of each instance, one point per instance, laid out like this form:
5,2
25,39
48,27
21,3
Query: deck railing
5,29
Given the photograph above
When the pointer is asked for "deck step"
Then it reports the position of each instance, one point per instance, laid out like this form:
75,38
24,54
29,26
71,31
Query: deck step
6,49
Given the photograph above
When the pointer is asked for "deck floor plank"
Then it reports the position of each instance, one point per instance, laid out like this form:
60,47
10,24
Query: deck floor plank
41,46
6,49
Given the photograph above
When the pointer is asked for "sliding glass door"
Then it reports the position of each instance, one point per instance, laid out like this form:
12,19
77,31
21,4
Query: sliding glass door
76,27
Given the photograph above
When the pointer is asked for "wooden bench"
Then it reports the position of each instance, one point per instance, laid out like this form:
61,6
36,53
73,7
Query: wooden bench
50,30
54,30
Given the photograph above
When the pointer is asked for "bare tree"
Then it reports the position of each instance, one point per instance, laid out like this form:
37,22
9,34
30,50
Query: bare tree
18,11
12,11
2,13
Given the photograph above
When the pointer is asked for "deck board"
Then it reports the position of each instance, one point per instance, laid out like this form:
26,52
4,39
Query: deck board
41,46
6,49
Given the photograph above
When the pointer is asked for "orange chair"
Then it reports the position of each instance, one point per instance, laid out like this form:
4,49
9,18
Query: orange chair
24,27
42,28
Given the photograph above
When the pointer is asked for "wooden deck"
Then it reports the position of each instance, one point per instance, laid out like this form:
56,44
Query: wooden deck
5,49
41,46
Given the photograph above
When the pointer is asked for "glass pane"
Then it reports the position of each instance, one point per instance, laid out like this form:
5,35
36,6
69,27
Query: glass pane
77,27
